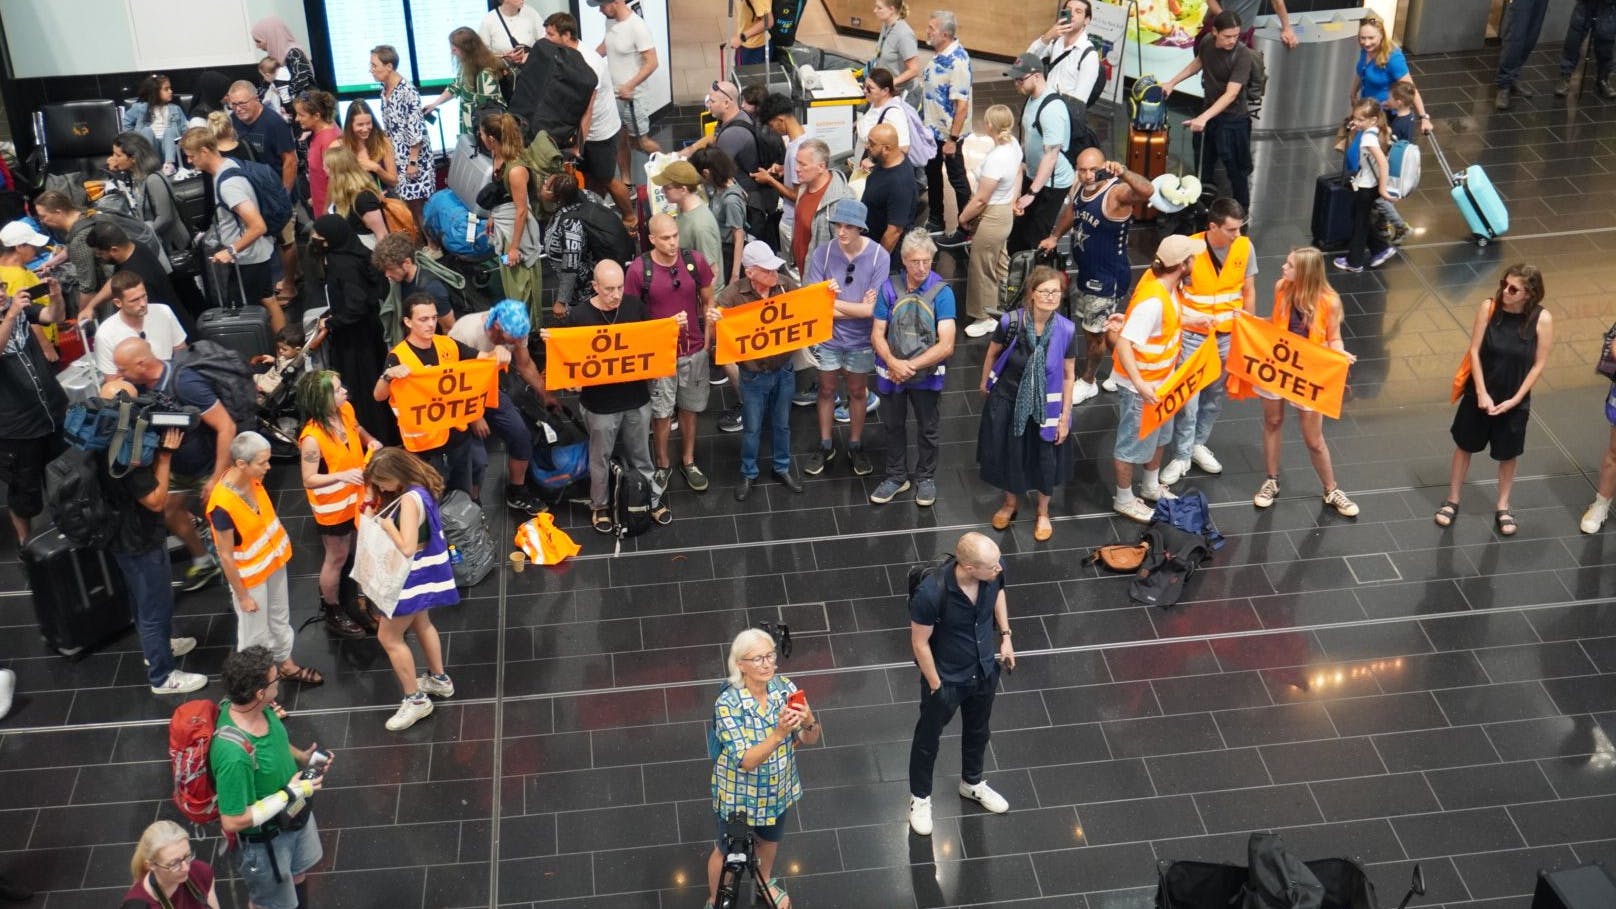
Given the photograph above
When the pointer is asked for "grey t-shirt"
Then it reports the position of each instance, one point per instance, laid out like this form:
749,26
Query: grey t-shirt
895,45
698,230
231,193
1221,67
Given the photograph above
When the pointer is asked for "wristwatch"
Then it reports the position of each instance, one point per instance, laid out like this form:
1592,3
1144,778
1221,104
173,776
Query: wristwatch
953,138
1004,632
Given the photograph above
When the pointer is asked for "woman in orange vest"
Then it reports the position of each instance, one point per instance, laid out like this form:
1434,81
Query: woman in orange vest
1305,305
253,550
334,450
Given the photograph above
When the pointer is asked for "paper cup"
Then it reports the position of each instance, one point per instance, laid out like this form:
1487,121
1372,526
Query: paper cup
518,561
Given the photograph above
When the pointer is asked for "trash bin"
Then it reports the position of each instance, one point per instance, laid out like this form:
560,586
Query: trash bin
1308,85
1444,26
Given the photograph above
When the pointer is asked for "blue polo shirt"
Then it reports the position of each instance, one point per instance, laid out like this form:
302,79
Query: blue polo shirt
964,642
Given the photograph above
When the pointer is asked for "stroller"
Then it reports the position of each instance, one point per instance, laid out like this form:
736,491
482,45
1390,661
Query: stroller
278,418
1272,879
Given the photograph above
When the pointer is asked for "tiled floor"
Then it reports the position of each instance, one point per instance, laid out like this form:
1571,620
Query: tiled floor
1376,688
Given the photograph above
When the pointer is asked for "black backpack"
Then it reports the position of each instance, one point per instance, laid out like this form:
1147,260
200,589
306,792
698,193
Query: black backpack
1257,85
1173,556
78,505
631,500
787,15
771,149
552,92
1100,79
919,573
604,231
227,374
689,260
1276,879
1081,136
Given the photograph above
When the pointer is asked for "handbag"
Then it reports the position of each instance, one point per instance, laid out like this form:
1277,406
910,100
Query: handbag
1121,556
1607,364
1461,376
379,568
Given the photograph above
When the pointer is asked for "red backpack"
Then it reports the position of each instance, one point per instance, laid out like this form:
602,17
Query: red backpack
190,734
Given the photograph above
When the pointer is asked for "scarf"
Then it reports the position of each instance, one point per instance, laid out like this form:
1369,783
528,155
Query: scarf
1030,394
278,39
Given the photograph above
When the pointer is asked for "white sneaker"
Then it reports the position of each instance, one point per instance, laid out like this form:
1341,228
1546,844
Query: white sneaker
984,795
1266,493
408,712
178,646
1110,384
980,328
1134,509
1173,472
920,815
1083,391
1338,500
1594,517
8,688
1206,460
1156,493
430,685
181,683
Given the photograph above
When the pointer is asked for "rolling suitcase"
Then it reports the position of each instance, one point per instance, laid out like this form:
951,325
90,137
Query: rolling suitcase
191,199
469,172
1147,156
79,594
1332,212
80,378
243,329
1478,200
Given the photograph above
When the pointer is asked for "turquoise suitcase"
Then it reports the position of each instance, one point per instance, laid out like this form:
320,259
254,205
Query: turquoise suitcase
1478,200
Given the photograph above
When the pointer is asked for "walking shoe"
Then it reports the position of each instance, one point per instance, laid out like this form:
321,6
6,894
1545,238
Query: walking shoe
1156,493
980,328
983,795
1399,234
807,397
935,228
1606,90
8,690
659,479
519,499
436,686
1173,471
338,624
1083,391
1594,517
925,493
887,490
1206,460
1563,87
1266,493
1342,263
872,403
955,240
1134,509
1382,257
861,461
814,464
718,377
789,480
198,576
694,477
744,488
920,815
730,420
1110,384
177,646
411,710
179,682
1343,506
1502,101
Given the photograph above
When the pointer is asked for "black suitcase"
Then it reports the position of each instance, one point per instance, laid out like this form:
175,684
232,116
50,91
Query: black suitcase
243,329
79,594
191,198
1332,212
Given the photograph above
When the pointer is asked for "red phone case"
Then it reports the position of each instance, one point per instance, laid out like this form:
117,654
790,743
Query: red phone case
798,700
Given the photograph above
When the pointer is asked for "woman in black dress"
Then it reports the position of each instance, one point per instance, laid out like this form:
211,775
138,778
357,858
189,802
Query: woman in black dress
1027,379
1509,343
356,347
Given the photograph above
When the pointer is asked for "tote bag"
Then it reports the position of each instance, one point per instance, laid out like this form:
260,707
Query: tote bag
379,568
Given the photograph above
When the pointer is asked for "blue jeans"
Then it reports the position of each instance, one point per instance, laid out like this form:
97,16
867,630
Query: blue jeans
506,422
766,394
1523,22
1194,423
1228,139
1600,18
147,576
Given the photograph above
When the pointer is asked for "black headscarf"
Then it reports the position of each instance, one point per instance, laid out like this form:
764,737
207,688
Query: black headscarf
339,237
209,90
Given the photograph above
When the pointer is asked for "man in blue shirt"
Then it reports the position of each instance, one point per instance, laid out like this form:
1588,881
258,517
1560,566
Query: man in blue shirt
270,138
945,108
913,337
1046,129
959,630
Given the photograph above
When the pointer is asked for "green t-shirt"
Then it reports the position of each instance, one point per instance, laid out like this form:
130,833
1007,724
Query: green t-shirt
235,780
698,231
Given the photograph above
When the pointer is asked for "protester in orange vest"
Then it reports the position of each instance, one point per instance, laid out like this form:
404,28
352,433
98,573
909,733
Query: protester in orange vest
333,450
1305,305
253,550
1147,347
1222,281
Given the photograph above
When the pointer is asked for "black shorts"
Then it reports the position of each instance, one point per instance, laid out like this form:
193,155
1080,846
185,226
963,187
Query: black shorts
1505,435
335,530
22,469
599,162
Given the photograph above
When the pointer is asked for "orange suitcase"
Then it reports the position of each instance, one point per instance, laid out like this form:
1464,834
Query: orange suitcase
1147,156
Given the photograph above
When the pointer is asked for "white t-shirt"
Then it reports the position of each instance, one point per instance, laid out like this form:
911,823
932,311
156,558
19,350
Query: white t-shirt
626,40
1144,322
527,26
604,121
472,331
895,118
1001,164
1366,176
163,333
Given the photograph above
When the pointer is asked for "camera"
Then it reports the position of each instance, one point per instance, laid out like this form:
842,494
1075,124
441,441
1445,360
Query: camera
738,859
781,633
318,758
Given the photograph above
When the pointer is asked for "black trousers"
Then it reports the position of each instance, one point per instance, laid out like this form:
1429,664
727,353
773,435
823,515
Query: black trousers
1366,241
955,165
1038,221
974,701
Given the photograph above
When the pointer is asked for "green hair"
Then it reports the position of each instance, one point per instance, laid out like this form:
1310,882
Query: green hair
316,398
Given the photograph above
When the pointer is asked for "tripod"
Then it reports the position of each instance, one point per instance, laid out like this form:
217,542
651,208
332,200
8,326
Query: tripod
740,860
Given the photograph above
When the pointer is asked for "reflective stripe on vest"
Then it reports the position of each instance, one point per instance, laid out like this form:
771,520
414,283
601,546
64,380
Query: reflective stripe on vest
338,503
1156,357
1214,292
448,352
262,546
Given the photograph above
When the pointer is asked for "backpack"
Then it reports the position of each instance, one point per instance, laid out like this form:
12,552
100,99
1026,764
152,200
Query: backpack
227,374
465,531
1100,81
1080,135
136,230
552,91
786,15
78,506
1191,513
191,731
1147,105
1257,85
922,143
1015,277
399,218
919,573
118,427
604,231
912,324
1275,879
684,254
1402,168
274,202
630,500
445,221
1173,556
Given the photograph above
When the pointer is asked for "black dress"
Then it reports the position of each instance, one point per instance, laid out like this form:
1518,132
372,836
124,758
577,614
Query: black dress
1506,358
356,346
1026,462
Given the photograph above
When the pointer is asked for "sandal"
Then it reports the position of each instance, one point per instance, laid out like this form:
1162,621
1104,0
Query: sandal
662,515
1043,530
1505,522
1003,517
1445,515
601,521
303,675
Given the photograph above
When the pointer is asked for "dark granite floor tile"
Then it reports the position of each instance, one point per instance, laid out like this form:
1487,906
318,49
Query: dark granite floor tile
1267,725
1490,784
1496,703
1162,735
1207,771
1384,795
1509,873
1136,820
1566,820
1583,694
1064,784
1257,808
1386,713
1213,692
1433,748
1454,832
1561,736
1093,868
1093,703
1326,759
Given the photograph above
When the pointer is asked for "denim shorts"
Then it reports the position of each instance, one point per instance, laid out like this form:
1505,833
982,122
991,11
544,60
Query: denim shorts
296,851
1129,447
773,833
856,360
687,389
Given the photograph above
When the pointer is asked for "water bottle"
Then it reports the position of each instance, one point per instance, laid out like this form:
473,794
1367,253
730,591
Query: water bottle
454,556
471,228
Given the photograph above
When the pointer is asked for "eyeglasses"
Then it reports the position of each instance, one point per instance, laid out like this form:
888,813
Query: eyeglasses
179,864
719,87
238,105
995,568
762,659
1048,293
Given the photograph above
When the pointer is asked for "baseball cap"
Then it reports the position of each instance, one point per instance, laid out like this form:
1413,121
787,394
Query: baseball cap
1026,65
757,254
18,233
1178,249
851,212
681,172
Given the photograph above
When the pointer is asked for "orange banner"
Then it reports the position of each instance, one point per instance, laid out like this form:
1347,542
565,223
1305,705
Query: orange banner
777,325
437,399
1181,387
1288,365
605,354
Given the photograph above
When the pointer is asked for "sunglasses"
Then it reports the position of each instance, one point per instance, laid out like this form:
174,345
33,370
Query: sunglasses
719,87
848,278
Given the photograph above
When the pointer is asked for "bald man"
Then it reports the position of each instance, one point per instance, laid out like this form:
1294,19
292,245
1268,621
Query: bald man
617,412
200,459
889,193
959,630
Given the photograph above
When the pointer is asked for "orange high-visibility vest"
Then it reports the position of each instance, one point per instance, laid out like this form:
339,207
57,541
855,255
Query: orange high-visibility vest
448,352
1157,357
337,503
262,546
1323,314
1214,292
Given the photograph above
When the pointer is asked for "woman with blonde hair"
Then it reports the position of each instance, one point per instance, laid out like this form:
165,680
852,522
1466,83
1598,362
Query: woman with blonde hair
1380,63
1367,173
476,82
896,49
510,200
988,217
224,136
353,194
1305,305
166,873
365,138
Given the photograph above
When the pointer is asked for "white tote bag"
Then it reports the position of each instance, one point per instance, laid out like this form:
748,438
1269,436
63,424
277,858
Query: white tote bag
379,568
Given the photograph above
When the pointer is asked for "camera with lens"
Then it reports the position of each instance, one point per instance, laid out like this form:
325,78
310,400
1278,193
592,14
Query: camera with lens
781,632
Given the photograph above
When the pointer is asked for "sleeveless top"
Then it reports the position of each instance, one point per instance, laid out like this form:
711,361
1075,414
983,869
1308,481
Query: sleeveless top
1102,245
431,578
1506,357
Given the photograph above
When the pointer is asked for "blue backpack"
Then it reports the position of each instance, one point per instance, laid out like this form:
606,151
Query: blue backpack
274,202
445,219
1191,514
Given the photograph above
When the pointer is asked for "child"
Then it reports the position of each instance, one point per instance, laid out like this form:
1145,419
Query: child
1366,165
1403,123
271,371
276,91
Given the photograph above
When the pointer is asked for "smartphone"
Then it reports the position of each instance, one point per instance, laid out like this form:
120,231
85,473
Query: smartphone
38,292
798,700
318,758
1066,15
